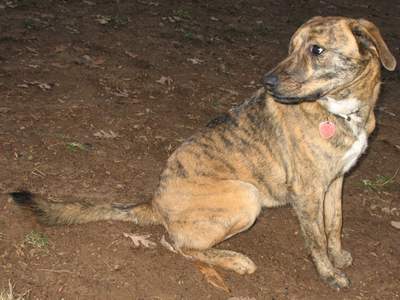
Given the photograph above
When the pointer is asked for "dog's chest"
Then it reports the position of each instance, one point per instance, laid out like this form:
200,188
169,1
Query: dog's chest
351,156
347,109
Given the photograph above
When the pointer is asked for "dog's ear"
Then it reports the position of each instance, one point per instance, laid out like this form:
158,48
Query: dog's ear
369,36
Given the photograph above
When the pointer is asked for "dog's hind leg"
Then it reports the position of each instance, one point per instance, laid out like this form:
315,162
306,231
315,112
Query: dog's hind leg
226,259
225,210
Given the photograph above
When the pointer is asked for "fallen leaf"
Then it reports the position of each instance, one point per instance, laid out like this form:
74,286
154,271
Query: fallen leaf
140,240
106,135
195,61
165,80
75,146
130,54
120,93
167,245
212,276
232,92
395,224
60,48
42,85
58,65
103,19
87,58
32,50
98,61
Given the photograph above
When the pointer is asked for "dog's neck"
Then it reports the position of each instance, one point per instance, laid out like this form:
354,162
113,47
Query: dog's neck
344,108
356,101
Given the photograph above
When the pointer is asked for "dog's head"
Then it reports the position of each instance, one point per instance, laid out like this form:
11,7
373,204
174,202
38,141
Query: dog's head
325,54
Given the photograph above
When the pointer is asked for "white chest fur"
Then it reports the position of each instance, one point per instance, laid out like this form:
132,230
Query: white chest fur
347,109
351,156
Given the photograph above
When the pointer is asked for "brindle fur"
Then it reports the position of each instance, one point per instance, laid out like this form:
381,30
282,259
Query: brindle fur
266,153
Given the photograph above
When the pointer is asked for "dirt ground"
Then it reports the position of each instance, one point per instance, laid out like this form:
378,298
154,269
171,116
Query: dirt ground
95,95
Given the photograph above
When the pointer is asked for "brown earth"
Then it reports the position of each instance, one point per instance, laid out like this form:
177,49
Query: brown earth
94,97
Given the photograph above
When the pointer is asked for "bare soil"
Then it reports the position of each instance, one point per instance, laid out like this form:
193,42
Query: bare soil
95,95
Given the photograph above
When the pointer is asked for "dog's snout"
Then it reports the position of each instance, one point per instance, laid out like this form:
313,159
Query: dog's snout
271,81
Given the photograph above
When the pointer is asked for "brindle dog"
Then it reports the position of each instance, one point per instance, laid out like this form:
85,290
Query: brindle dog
291,143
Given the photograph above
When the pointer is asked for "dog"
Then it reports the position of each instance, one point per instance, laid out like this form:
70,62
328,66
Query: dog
291,143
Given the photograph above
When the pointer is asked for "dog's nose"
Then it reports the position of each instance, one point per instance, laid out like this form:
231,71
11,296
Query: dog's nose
271,81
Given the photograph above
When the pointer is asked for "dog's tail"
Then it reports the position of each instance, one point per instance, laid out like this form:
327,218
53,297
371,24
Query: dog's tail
53,213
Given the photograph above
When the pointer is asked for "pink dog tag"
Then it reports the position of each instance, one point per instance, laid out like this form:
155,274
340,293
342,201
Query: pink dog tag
327,129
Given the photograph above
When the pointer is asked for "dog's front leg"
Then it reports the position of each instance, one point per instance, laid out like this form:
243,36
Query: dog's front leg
310,211
333,225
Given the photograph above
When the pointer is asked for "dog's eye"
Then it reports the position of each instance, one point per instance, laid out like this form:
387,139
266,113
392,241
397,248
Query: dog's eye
316,50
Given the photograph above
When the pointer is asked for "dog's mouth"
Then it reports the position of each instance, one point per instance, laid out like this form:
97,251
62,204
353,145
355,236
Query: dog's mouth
294,100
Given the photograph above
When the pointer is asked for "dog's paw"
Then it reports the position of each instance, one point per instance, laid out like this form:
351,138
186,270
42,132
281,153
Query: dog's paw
243,265
337,280
341,259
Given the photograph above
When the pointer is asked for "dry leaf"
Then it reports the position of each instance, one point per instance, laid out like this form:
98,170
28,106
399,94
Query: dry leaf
74,146
32,50
42,85
167,245
212,276
165,80
130,54
106,135
232,92
60,48
140,240
195,61
58,65
395,224
103,19
120,93
98,61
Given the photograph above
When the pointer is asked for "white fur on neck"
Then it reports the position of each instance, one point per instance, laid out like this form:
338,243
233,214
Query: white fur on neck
343,108
347,109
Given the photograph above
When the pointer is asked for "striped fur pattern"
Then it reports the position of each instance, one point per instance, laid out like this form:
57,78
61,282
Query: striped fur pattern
268,152
79,212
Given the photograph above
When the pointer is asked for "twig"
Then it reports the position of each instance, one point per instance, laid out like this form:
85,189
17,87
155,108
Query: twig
57,271
114,242
389,179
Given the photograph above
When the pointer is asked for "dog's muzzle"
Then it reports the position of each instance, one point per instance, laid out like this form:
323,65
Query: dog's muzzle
271,83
